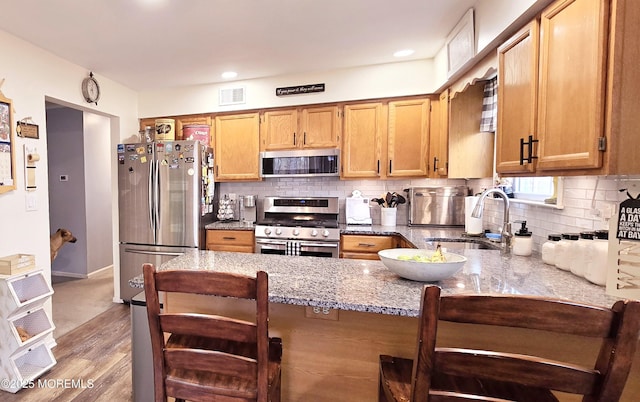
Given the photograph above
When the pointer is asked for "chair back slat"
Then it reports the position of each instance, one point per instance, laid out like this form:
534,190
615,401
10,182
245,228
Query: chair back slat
207,283
528,370
209,326
212,361
551,315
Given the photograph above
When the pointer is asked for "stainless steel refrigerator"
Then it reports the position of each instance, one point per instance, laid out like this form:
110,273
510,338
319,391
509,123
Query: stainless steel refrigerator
166,196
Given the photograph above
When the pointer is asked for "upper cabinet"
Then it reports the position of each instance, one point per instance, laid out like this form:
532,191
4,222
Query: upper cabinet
517,96
363,140
311,127
439,137
566,104
386,140
408,138
236,150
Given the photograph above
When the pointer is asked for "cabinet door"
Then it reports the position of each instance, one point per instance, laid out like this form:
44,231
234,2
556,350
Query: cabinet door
572,84
320,127
237,147
439,137
408,138
517,93
279,130
362,140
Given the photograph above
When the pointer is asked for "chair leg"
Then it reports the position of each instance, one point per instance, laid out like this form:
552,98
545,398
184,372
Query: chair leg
381,396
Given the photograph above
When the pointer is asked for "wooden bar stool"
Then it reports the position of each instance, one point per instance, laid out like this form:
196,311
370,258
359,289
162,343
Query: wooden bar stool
205,357
457,374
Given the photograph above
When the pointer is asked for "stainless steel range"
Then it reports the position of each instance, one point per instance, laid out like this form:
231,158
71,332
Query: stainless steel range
306,226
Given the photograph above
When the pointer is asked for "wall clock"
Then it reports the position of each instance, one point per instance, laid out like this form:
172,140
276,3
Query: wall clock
91,89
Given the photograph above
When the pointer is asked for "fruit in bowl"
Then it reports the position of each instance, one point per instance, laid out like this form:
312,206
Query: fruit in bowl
422,265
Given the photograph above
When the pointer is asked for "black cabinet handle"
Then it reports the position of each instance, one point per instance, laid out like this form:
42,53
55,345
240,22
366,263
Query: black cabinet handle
304,138
435,164
378,166
529,144
390,161
294,138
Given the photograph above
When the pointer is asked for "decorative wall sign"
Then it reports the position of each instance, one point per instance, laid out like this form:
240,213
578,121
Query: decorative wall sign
27,128
623,267
300,89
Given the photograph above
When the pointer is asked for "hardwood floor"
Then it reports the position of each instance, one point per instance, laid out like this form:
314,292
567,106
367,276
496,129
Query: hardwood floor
94,363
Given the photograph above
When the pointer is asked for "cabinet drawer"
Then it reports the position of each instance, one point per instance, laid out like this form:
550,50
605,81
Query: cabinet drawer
359,256
367,244
230,237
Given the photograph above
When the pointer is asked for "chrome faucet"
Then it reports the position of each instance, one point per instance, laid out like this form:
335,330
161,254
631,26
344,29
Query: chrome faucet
506,226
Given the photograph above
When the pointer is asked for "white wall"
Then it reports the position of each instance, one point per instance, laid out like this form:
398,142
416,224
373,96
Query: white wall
32,75
97,192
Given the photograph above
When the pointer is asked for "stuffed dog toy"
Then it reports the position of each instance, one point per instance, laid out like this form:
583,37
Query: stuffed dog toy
58,239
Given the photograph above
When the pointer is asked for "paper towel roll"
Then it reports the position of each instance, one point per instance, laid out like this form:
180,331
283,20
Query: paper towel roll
34,157
473,226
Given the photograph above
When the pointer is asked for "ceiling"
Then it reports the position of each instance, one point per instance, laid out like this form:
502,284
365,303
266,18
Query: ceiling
154,44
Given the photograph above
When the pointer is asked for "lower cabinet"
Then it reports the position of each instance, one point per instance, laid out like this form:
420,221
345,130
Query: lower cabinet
365,247
240,241
24,325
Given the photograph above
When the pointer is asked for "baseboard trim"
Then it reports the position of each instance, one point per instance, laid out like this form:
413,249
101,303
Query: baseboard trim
80,276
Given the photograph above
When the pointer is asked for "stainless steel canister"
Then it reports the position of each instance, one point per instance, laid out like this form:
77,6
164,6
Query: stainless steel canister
438,206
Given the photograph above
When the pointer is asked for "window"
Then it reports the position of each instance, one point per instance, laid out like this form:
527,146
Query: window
535,188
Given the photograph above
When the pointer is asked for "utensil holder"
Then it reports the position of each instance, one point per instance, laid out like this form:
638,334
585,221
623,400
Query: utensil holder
388,216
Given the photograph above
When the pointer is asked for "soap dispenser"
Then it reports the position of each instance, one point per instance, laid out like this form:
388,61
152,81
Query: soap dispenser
522,241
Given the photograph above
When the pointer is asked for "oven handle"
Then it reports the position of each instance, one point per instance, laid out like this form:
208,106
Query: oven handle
325,245
271,242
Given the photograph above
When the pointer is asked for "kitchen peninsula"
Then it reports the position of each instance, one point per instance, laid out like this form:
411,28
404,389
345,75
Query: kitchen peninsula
337,315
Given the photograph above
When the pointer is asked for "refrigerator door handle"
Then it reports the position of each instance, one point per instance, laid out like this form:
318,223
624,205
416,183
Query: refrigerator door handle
151,197
156,198
136,251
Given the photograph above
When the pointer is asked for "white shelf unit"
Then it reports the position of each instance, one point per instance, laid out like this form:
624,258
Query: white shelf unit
21,312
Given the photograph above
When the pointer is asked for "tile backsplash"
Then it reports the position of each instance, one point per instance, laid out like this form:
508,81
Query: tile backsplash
589,201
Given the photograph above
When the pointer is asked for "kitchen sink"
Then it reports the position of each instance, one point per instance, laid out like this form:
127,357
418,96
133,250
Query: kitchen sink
464,243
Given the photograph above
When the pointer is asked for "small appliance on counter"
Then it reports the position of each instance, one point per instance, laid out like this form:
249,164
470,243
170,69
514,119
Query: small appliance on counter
248,208
437,206
357,209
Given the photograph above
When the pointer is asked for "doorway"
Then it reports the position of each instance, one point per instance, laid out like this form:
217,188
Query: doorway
80,200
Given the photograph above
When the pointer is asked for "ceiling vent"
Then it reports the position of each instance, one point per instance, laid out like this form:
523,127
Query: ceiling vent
232,96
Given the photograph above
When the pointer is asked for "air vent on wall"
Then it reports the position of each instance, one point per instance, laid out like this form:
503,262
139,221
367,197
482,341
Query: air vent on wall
232,96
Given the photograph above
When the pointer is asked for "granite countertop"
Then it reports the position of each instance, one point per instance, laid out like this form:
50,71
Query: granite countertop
368,286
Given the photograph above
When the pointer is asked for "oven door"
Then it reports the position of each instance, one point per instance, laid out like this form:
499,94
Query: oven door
271,246
294,247
318,249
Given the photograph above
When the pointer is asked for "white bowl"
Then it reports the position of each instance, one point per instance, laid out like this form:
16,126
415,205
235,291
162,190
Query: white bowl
421,271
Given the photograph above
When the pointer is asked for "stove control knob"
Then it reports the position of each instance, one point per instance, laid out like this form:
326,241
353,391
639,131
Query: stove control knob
278,231
296,232
314,233
267,231
325,233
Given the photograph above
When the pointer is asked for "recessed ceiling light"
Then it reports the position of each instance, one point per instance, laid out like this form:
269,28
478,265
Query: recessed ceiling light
404,53
229,74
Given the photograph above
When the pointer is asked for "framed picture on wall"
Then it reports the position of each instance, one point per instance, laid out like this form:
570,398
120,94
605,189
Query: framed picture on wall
461,43
7,155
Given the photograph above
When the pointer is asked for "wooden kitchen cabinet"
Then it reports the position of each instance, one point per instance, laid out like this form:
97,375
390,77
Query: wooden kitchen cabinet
581,103
236,150
383,140
363,140
439,137
517,96
309,128
365,247
408,138
240,241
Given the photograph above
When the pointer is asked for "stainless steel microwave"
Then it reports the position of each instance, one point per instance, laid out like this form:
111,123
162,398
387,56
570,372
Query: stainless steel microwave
300,163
